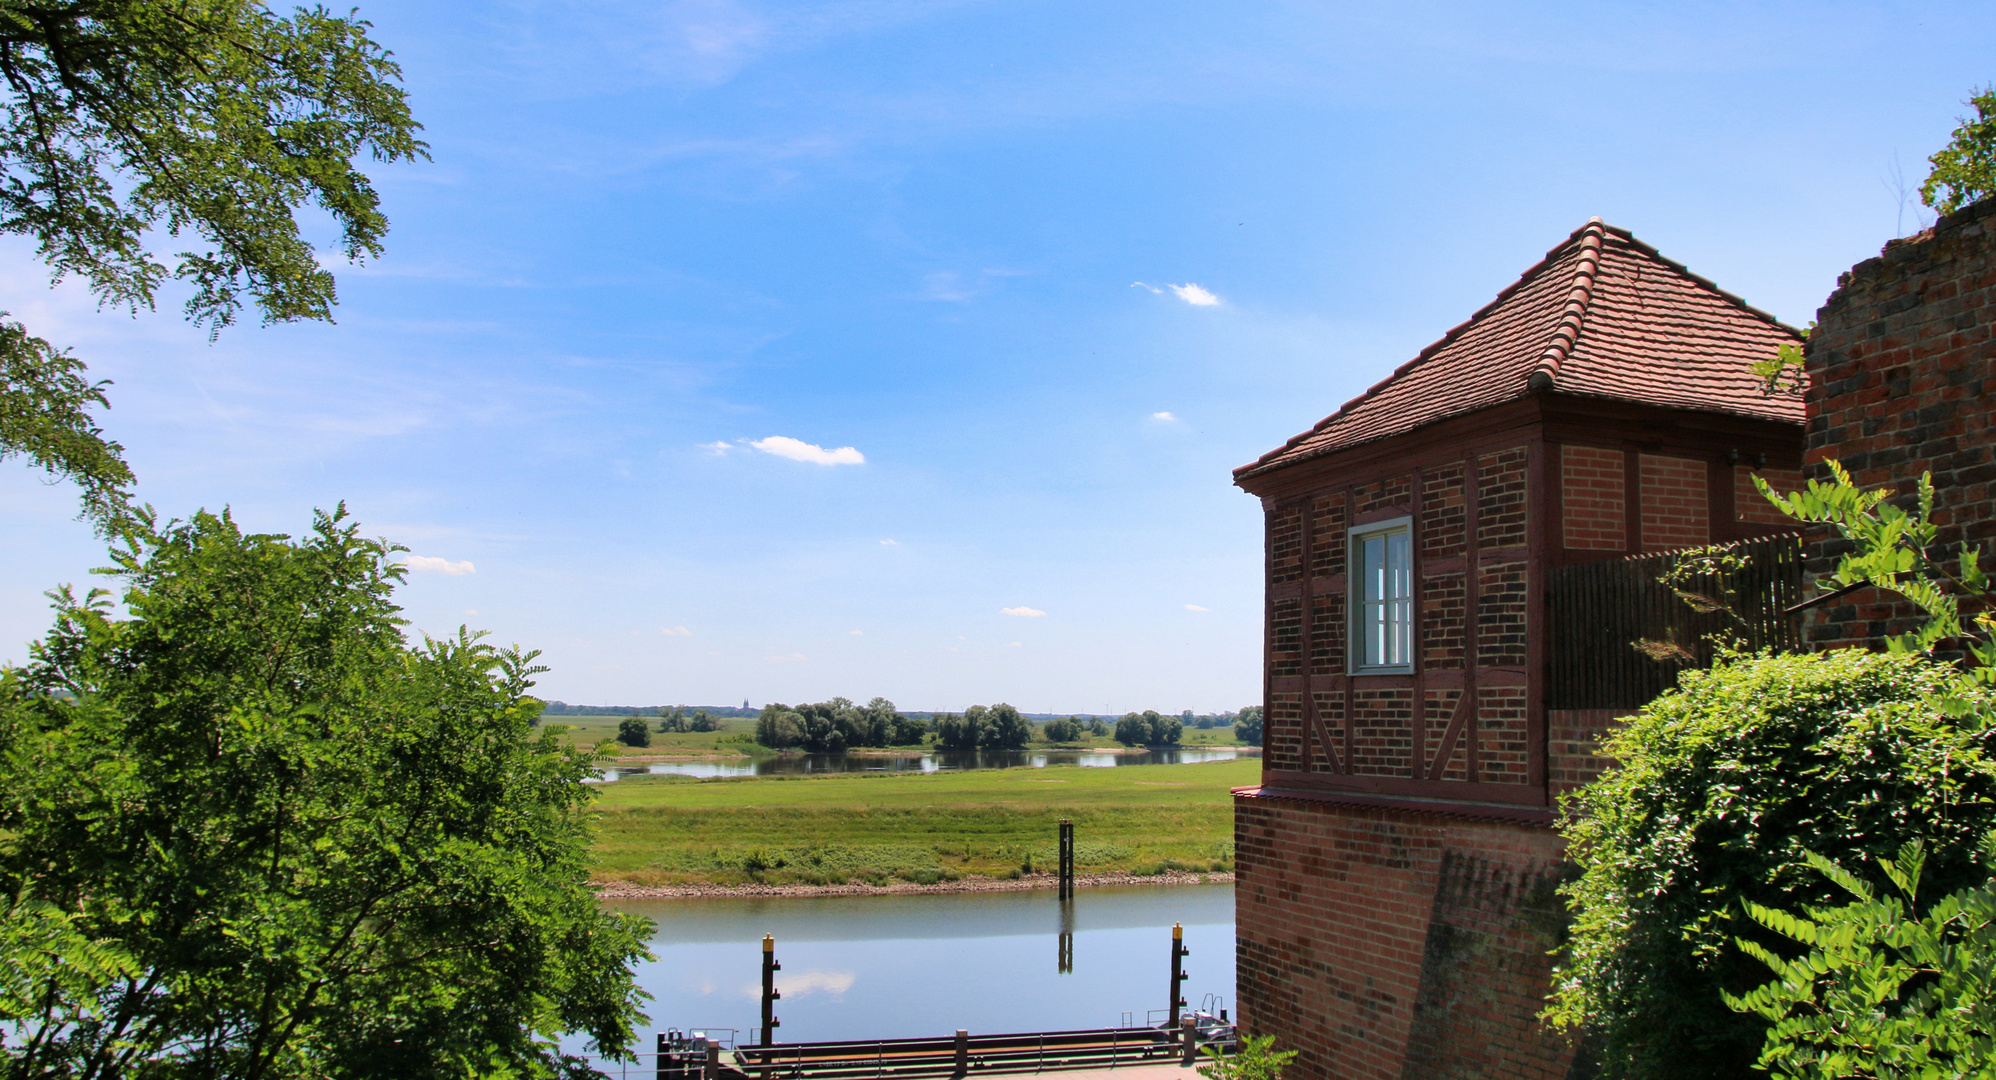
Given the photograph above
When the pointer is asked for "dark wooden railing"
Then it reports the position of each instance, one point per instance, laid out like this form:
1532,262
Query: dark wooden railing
1619,636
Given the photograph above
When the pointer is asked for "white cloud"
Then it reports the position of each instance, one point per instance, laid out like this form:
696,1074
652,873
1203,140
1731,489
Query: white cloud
1015,644
797,450
1196,607
471,611
892,543
425,564
1194,295
1022,612
675,631
716,448
793,658
856,633
1164,416
835,983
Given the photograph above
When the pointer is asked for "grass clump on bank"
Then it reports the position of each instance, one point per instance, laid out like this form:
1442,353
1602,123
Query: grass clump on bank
877,828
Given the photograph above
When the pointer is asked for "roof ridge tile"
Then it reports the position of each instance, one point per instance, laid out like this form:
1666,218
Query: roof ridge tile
1545,374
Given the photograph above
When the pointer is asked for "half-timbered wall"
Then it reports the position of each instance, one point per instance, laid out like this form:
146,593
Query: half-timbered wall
1461,724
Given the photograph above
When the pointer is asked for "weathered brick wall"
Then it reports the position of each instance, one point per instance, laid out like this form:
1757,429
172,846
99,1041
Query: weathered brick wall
1676,506
1900,384
1573,746
1387,945
1593,498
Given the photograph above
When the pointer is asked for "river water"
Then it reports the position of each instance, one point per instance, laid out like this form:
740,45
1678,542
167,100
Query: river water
880,967
935,761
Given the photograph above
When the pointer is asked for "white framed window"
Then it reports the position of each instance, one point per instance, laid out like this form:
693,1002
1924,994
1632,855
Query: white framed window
1382,596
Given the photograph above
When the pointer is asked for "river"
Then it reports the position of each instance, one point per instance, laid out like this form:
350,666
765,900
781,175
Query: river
867,967
934,761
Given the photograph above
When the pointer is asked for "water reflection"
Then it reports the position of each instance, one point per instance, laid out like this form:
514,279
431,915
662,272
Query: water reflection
936,761
882,967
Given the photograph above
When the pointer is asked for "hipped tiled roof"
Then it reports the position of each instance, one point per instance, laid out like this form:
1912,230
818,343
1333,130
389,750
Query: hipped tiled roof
1603,315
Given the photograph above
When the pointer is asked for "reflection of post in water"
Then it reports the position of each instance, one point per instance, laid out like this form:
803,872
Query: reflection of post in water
1067,938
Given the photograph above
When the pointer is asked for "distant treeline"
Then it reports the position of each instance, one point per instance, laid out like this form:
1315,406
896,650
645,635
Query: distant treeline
839,724
562,708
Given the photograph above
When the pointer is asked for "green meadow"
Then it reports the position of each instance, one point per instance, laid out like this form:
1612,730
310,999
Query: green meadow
878,827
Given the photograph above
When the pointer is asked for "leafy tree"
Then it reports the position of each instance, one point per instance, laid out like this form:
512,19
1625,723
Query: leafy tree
247,831
1148,729
1132,730
906,731
779,727
702,721
211,121
1096,726
955,732
1062,729
1965,169
633,731
1004,729
671,721
1248,727
1884,986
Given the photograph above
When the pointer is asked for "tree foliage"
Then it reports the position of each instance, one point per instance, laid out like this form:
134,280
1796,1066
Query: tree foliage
1965,169
1149,728
1882,986
247,831
633,731
1061,729
209,122
829,726
1248,727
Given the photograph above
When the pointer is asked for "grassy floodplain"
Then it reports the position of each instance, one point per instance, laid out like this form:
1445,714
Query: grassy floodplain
874,828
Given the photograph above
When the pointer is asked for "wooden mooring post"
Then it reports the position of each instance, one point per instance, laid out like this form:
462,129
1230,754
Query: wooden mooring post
1066,860
1178,953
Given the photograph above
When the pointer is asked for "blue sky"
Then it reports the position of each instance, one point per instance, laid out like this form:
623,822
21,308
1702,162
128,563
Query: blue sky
655,235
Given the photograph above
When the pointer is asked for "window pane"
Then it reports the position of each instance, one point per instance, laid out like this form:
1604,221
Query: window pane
1384,599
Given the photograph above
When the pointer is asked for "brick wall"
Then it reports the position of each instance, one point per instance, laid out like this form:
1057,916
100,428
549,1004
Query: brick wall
1676,505
1900,383
1384,945
1593,498
1573,746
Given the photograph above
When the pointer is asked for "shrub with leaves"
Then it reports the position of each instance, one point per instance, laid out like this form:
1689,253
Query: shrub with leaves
1883,986
1723,788
1965,169
1256,1059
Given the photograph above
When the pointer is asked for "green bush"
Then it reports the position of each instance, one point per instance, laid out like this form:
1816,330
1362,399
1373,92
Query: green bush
633,731
1723,788
1886,986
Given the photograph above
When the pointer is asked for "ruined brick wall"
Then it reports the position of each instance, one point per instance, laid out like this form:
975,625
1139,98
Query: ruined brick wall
1900,384
1387,945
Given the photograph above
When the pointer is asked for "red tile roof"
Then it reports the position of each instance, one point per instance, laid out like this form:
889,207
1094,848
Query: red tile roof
1603,315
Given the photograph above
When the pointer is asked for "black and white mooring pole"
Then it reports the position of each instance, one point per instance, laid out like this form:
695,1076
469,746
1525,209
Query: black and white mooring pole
1178,953
769,992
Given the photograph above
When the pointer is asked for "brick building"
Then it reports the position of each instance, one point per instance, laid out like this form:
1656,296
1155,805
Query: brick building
1899,383
1397,861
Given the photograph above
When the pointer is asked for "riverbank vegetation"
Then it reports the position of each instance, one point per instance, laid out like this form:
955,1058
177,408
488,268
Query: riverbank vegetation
920,827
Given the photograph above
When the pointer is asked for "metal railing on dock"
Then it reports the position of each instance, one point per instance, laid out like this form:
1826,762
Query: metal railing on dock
1024,1052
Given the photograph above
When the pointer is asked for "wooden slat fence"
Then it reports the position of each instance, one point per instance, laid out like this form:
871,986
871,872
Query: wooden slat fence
1619,637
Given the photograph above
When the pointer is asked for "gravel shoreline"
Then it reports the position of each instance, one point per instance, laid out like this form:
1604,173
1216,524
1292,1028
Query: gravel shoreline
624,890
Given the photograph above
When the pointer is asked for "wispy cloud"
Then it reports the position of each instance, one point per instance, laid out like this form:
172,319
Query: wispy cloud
797,450
835,983
1015,644
892,543
1196,607
1188,292
793,658
856,633
1164,416
675,631
1023,612
426,564
717,449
